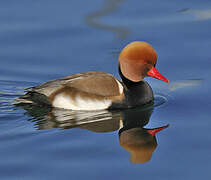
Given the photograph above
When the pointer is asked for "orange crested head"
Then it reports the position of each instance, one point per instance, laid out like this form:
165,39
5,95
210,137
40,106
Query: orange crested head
137,60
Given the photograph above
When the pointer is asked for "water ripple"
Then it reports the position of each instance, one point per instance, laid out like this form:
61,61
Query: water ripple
110,6
10,90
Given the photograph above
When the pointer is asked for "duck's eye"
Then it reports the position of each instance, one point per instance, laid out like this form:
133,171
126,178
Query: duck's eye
150,63
146,69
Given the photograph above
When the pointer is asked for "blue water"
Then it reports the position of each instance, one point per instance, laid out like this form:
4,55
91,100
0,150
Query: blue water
45,40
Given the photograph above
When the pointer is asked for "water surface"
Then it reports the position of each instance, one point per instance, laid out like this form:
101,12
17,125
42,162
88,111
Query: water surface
42,41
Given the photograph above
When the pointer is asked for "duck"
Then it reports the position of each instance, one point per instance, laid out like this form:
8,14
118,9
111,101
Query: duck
92,91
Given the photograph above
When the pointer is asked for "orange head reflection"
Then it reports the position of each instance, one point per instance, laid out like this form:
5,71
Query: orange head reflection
139,142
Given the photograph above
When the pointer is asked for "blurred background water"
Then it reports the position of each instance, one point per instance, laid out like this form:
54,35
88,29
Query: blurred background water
45,40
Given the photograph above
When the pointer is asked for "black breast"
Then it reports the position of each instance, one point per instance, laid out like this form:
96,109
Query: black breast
137,93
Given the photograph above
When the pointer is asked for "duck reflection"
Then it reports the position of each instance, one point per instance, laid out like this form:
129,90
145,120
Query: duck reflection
138,141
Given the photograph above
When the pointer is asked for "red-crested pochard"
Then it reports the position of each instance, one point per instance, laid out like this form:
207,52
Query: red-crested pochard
100,90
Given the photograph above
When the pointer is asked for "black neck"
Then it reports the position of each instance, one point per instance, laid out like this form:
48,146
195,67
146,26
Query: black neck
126,81
137,93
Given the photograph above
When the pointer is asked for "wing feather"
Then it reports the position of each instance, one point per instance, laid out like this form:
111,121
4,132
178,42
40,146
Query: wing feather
96,83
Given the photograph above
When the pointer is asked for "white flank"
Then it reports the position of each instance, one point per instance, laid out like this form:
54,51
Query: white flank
120,87
66,102
121,123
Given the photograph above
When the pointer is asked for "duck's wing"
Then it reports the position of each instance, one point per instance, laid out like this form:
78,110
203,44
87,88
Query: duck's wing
98,84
